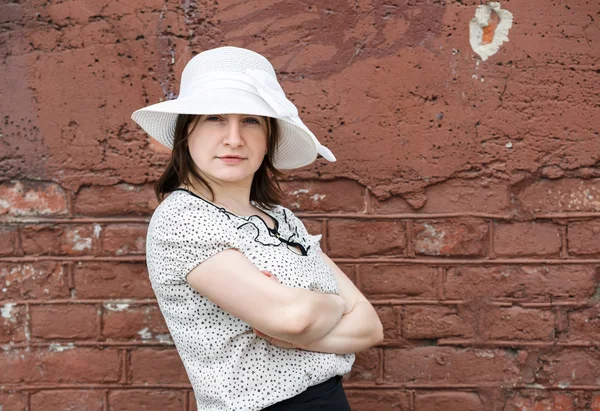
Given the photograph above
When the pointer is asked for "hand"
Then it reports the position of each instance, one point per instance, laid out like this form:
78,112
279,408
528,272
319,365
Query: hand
272,340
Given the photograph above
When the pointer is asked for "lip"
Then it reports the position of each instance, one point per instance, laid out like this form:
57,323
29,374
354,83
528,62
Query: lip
231,159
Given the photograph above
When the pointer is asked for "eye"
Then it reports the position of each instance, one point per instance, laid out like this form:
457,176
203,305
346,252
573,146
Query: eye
252,120
212,118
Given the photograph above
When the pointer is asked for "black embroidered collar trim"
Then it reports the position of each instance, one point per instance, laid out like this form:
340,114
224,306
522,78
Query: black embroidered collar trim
273,232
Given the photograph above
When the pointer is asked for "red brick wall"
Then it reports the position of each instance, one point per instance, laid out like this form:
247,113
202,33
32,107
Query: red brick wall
464,203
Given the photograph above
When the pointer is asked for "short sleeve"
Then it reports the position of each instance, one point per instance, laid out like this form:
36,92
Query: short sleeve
297,226
181,236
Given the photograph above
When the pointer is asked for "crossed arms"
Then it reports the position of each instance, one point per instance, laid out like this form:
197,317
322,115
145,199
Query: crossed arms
289,317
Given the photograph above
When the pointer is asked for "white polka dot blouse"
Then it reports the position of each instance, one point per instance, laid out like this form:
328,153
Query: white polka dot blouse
230,367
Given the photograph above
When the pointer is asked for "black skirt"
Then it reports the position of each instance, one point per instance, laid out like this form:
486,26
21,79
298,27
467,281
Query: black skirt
326,396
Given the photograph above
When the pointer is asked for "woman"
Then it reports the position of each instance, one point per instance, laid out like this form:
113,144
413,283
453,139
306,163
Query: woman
261,318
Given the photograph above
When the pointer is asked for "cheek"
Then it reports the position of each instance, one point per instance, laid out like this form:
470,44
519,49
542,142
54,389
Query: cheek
199,151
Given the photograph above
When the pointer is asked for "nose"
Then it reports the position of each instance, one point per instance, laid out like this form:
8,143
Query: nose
232,136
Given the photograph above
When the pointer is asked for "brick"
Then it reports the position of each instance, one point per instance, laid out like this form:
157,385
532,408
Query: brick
380,400
448,401
391,320
432,322
147,400
136,322
39,280
348,269
529,283
314,227
350,238
152,366
527,239
398,281
11,12
60,400
541,401
565,194
62,239
8,238
120,199
366,366
444,365
20,198
454,196
595,406
112,280
124,239
60,364
575,366
65,14
324,196
584,325
13,323
475,196
392,205
456,237
77,321
582,238
192,401
516,323
13,400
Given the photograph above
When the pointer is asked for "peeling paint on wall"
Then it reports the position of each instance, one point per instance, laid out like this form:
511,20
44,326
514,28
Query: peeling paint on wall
6,310
116,307
489,29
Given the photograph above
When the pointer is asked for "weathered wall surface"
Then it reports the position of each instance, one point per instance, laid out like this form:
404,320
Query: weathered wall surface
465,202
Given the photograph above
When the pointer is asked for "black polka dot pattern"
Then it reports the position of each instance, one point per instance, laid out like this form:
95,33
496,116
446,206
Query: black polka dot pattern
229,367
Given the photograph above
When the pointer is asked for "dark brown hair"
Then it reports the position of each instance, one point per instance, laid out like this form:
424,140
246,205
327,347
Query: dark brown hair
265,190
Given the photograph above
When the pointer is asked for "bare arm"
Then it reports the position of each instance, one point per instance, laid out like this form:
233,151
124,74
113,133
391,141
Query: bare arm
237,286
358,329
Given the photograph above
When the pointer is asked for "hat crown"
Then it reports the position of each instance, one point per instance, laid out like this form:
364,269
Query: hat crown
224,59
235,80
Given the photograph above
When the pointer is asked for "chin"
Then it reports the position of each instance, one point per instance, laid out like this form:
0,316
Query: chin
232,176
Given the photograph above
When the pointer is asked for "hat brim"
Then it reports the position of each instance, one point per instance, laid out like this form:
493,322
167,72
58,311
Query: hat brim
296,146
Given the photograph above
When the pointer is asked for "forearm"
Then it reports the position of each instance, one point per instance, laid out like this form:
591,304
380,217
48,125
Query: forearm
358,330
318,313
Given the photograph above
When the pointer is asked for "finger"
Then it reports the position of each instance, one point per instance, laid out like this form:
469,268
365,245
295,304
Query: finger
282,344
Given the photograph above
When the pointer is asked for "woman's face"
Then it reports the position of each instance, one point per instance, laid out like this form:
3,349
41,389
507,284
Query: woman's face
228,147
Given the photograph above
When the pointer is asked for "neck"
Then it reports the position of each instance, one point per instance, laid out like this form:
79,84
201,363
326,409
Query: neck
235,196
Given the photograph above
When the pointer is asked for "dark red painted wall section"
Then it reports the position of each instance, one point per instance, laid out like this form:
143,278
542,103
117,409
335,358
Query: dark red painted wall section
465,203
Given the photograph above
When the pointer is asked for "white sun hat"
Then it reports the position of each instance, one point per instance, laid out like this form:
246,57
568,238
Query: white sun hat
233,80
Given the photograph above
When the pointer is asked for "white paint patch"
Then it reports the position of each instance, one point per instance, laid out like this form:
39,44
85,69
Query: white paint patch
164,338
116,307
145,334
508,145
6,310
60,348
81,243
482,20
318,197
97,230
302,191
485,354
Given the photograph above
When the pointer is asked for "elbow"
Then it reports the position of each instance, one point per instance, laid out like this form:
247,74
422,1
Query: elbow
297,321
378,334
380,337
